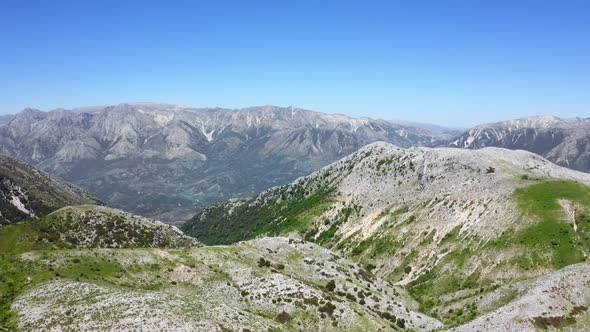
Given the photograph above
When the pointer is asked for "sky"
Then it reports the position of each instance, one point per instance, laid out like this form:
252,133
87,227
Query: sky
454,63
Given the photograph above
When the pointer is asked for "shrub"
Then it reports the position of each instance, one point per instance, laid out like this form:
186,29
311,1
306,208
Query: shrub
331,285
370,267
350,297
283,317
401,323
328,308
388,316
311,300
263,262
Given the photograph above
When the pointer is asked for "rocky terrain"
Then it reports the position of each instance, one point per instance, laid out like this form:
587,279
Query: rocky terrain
27,192
386,239
91,226
272,283
451,225
556,301
565,142
167,161
92,267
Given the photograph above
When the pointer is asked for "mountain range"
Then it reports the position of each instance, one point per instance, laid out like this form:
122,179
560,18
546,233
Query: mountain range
385,239
167,161
565,142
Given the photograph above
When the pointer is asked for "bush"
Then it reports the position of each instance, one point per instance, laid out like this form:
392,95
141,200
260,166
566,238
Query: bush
350,297
328,308
283,317
263,262
401,323
388,316
331,285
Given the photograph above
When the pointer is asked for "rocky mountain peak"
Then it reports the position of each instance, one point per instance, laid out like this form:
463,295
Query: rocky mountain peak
563,141
166,161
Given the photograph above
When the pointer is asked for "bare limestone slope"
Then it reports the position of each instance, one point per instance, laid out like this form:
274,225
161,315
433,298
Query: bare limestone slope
27,192
274,284
558,300
449,224
565,142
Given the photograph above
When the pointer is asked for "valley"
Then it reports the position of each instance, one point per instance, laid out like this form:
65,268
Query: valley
294,166
167,161
389,237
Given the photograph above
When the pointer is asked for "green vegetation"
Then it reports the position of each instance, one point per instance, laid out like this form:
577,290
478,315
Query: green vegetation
341,218
294,212
88,226
27,236
553,235
546,239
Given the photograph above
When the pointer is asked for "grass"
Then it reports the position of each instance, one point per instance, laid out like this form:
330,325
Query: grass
543,238
540,199
17,238
383,245
98,266
551,233
51,262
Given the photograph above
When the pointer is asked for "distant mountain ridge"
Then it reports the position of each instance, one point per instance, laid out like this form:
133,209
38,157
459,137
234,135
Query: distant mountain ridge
565,142
166,161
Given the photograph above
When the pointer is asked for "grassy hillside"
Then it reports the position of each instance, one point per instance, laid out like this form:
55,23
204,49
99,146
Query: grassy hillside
85,226
543,239
253,218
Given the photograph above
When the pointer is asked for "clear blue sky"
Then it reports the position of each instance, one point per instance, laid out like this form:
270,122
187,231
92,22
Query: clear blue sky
447,62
